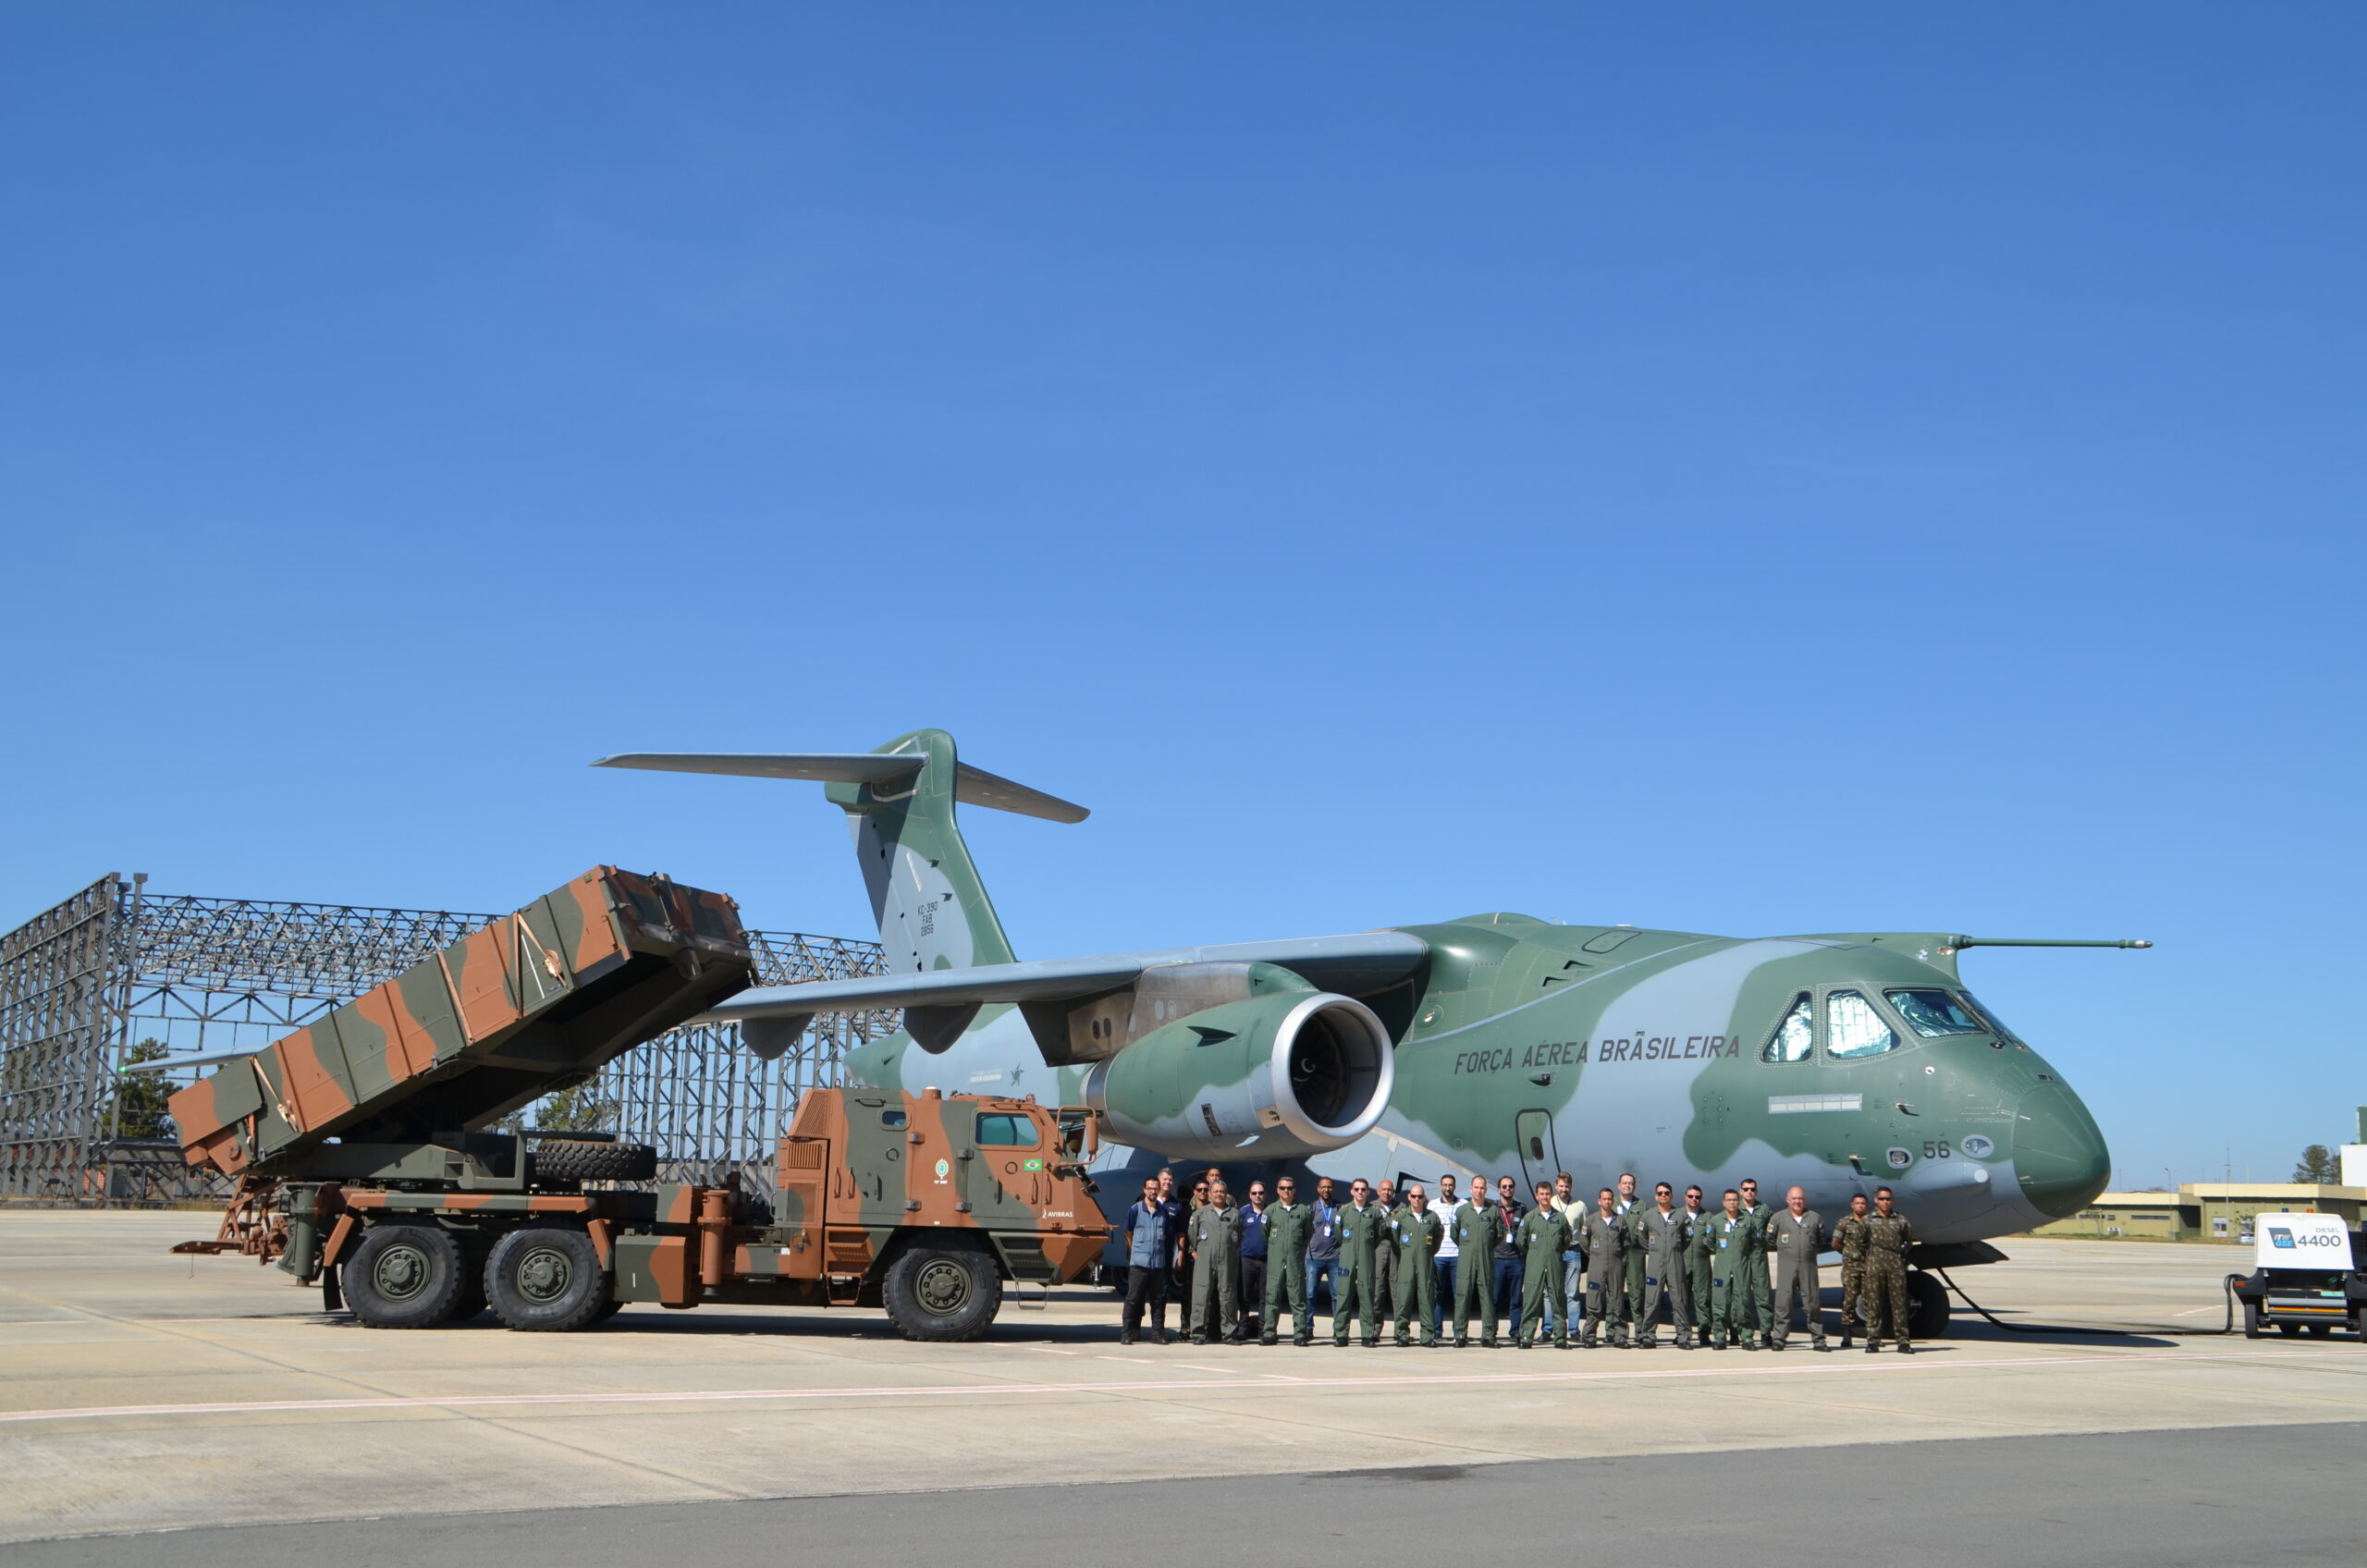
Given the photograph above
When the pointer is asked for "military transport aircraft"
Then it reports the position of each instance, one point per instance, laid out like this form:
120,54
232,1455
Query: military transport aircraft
1495,1043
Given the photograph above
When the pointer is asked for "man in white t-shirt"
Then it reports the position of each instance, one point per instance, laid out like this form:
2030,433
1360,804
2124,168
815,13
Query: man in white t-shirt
1442,1264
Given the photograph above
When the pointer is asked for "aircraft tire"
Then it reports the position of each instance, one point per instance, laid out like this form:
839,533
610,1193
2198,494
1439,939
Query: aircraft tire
404,1277
942,1293
543,1279
1927,1306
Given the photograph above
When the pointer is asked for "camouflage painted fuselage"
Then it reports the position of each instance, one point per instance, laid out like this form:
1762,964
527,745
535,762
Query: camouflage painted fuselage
1525,1048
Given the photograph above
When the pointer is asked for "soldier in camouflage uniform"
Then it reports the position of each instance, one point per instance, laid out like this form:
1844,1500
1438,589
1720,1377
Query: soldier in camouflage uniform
1478,1226
1699,1245
1542,1236
1888,1235
1662,1233
1214,1235
1605,1239
1734,1252
1361,1227
1416,1235
1849,1241
1289,1223
1762,1296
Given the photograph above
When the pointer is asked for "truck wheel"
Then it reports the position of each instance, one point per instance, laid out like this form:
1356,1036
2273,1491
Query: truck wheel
1927,1306
567,1160
935,1292
545,1280
471,1303
2251,1321
404,1277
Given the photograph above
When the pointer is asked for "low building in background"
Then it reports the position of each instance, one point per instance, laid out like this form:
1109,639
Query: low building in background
2204,1211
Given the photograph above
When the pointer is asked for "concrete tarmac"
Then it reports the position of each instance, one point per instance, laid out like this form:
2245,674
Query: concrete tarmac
2146,1499
143,1391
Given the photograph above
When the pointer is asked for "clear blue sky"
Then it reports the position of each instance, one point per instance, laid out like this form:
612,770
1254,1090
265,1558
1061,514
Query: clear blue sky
1747,469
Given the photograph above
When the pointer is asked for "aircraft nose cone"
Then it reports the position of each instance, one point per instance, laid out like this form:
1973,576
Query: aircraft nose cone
2059,1154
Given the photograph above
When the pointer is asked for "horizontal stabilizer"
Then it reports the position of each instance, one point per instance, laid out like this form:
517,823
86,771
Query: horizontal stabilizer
1359,964
972,786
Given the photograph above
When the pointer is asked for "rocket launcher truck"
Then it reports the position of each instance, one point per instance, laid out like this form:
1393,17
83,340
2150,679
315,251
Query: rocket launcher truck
366,1160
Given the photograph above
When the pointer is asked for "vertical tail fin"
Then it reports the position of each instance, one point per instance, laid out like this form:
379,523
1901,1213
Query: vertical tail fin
932,908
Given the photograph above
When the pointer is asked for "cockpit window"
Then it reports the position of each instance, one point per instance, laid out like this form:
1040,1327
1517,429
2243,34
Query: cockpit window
1995,1026
1795,1036
1935,1012
1853,1028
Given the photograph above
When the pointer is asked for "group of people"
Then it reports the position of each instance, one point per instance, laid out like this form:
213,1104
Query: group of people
1582,1273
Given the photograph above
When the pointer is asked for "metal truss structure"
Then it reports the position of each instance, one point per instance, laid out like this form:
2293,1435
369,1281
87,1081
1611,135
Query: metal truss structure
116,970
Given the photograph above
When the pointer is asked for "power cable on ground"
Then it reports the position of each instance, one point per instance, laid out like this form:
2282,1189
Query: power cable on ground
2227,1285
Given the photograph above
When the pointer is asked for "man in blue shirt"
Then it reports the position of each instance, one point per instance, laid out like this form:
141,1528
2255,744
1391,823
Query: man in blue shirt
1323,1244
1251,1286
1152,1233
1178,1211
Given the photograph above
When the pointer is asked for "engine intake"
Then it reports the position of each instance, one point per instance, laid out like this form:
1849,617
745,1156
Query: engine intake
1274,1076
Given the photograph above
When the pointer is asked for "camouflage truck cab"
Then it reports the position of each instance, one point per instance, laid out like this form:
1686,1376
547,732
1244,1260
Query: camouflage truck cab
927,1203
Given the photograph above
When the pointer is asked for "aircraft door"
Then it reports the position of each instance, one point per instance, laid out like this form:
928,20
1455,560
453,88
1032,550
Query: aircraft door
1533,1133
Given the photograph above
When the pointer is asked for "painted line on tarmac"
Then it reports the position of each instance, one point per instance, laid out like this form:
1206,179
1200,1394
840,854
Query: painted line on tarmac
1169,1385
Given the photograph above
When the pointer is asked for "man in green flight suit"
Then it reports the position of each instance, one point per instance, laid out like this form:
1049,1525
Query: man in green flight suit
1699,1245
1763,1294
1627,1312
1362,1223
1214,1234
1662,1231
1542,1236
1478,1226
1288,1224
1849,1241
1888,1235
1604,1237
1417,1233
1734,1252
1795,1238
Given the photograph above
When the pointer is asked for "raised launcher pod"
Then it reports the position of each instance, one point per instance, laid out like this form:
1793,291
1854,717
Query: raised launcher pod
536,1002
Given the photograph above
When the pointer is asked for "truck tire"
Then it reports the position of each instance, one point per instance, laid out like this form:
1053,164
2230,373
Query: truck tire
941,1293
2251,1321
565,1160
1927,1306
545,1280
404,1277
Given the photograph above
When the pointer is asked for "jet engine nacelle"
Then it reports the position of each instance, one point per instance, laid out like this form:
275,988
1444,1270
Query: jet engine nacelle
1267,1077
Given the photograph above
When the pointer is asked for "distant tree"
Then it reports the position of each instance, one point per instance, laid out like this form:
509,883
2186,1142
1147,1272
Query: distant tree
141,1097
2318,1166
580,1110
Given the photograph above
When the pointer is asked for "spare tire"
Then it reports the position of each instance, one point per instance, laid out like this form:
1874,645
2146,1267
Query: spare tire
571,1160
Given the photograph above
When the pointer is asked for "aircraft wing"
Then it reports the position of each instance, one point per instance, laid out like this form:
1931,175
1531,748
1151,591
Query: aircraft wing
1365,962
943,1000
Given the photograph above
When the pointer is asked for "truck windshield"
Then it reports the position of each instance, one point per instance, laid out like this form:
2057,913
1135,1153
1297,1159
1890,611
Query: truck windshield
1935,1012
1006,1131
